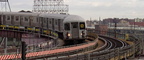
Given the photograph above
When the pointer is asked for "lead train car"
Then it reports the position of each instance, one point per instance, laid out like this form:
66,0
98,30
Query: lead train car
66,27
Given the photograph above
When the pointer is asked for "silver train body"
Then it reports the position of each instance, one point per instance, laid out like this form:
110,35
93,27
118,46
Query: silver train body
63,26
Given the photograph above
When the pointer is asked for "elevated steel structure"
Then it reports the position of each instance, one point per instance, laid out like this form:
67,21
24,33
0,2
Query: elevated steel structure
50,6
5,6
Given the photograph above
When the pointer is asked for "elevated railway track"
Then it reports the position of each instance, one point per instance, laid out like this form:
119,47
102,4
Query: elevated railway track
122,51
85,51
55,51
114,43
88,51
112,49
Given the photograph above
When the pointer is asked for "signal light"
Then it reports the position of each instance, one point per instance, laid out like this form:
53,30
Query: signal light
24,49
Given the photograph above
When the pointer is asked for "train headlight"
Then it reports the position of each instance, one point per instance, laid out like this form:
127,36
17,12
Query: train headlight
69,35
81,34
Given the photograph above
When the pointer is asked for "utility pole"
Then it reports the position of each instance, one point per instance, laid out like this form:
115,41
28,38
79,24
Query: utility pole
115,32
24,49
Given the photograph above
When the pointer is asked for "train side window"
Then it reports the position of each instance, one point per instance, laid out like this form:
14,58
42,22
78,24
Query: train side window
26,18
17,18
67,26
8,17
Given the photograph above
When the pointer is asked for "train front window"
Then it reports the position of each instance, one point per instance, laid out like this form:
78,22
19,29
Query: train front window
82,25
67,26
75,25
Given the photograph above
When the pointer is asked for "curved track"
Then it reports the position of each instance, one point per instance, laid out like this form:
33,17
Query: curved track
112,43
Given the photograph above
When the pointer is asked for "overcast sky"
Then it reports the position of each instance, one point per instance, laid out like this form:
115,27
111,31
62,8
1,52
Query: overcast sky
94,8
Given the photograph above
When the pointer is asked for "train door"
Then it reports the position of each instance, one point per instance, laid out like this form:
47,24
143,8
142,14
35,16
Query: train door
0,19
53,24
59,26
4,19
21,20
12,20
75,30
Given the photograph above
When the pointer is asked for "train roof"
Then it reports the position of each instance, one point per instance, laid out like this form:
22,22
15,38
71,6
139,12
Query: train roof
20,13
65,17
56,16
73,18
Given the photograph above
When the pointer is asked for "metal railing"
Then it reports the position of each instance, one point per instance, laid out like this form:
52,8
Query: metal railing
115,54
73,51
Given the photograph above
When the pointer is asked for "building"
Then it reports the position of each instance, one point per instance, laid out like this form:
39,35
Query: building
92,23
101,29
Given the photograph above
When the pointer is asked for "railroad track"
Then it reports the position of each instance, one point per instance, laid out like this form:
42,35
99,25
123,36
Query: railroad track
112,50
110,43
113,43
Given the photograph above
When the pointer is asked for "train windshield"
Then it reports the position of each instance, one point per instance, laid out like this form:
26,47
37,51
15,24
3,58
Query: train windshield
74,25
67,26
82,25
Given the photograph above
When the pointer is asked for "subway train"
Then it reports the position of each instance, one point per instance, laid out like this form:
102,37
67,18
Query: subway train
64,26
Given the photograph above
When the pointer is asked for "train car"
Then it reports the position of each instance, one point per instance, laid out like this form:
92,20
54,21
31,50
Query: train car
6,18
54,24
19,20
66,27
74,27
